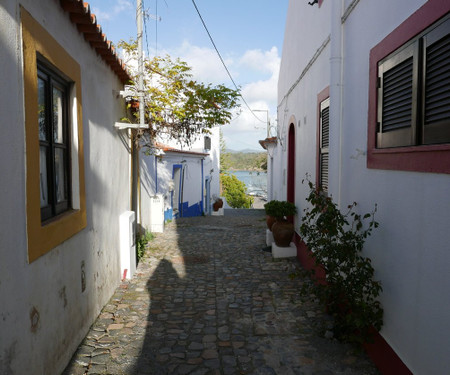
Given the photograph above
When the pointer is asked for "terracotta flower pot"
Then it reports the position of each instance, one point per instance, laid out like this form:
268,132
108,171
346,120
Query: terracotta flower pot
283,231
217,204
270,220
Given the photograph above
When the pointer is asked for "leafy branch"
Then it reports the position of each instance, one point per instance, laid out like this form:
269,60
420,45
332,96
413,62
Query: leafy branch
177,106
336,241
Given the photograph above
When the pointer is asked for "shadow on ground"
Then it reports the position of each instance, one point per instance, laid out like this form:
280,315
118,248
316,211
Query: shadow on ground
207,300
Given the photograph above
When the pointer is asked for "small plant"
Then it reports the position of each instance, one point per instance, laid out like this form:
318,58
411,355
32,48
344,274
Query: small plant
349,292
141,244
280,209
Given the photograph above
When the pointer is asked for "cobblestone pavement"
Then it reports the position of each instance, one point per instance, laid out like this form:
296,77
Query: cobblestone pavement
207,300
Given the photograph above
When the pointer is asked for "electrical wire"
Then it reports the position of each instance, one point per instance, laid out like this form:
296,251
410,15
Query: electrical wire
145,29
156,30
223,62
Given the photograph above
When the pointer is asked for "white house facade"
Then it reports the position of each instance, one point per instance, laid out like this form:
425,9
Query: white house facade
184,178
364,110
65,180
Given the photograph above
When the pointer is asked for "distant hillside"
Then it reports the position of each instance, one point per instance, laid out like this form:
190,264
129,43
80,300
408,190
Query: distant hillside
245,151
246,161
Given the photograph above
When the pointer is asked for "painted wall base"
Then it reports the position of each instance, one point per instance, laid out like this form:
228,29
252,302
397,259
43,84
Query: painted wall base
219,212
127,244
269,237
284,252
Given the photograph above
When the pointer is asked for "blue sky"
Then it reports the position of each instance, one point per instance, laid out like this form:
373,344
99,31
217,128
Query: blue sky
247,33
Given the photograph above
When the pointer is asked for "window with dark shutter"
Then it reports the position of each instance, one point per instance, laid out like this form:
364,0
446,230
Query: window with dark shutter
207,141
54,157
414,91
436,117
324,144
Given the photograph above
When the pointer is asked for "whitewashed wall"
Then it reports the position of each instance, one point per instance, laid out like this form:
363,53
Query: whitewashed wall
410,250
52,283
304,73
159,170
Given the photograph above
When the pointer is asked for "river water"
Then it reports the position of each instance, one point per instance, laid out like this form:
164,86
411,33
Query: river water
256,182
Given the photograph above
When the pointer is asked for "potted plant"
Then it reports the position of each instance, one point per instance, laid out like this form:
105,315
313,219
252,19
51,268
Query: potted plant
217,204
277,213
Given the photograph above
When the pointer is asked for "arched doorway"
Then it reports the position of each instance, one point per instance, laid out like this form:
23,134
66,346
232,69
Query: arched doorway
291,165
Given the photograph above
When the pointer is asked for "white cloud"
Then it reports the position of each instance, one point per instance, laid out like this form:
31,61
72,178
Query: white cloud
263,61
101,16
119,7
205,63
122,5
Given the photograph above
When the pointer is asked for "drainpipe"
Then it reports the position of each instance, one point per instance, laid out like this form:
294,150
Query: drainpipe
336,85
156,174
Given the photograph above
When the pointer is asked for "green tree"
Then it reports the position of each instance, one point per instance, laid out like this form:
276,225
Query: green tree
235,192
176,105
224,156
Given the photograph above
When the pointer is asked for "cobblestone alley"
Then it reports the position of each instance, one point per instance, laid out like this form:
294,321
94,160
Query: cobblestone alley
206,299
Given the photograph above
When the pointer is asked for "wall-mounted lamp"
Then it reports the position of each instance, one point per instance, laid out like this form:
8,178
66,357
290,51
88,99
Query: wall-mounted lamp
313,2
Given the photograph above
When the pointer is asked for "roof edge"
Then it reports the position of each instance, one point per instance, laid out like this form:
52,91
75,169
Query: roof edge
86,22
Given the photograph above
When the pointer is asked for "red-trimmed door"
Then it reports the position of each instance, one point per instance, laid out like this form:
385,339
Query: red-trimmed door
291,165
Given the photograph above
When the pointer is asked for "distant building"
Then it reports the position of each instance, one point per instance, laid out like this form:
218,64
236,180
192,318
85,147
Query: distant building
187,178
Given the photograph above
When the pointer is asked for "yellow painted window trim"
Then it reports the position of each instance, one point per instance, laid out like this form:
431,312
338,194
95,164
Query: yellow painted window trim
44,237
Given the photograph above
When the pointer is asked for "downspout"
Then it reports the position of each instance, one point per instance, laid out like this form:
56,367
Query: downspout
156,174
336,84
202,208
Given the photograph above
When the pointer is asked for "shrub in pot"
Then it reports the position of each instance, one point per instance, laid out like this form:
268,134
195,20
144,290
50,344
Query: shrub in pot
276,218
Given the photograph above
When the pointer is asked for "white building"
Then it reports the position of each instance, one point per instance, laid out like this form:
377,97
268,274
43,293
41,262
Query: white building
185,178
364,109
65,179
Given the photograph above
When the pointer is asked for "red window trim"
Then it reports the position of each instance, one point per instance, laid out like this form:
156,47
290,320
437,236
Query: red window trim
321,96
432,158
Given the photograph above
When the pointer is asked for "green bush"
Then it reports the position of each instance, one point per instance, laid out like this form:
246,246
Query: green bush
141,244
235,192
349,291
280,209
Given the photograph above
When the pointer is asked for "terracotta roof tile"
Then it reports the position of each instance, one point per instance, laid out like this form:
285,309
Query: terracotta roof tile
265,142
167,148
86,23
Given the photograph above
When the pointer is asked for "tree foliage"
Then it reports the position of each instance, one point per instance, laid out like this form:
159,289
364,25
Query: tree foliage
177,106
246,161
235,192
224,156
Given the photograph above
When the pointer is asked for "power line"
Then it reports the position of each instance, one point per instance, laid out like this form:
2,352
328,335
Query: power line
145,28
223,62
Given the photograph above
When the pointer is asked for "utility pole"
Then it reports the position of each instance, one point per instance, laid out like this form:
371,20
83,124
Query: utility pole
139,23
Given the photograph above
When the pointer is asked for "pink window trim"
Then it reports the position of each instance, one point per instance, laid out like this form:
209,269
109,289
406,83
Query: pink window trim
323,95
432,158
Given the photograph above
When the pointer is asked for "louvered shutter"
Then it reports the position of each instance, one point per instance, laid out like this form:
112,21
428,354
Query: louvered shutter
436,103
324,144
397,98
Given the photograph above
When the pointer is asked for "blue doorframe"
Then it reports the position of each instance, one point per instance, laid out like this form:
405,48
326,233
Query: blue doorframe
177,194
208,195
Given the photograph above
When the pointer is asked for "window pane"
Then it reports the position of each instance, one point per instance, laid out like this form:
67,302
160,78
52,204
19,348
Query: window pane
43,176
60,175
58,115
41,110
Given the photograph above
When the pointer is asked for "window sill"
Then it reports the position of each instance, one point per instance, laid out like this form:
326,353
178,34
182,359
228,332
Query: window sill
61,216
428,159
